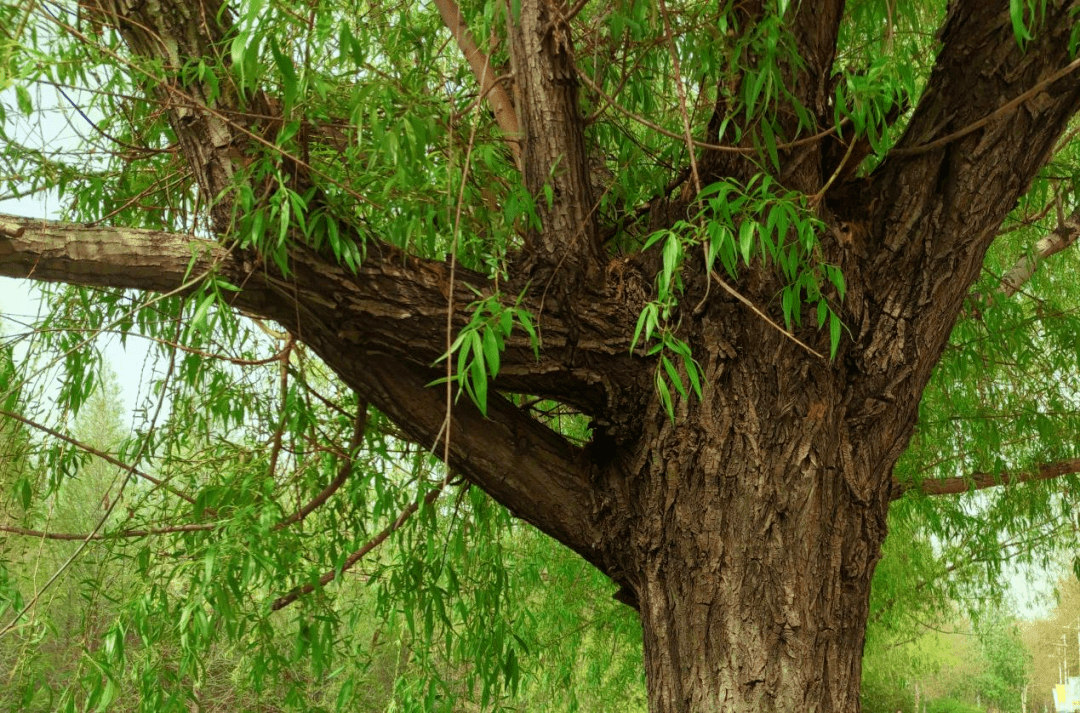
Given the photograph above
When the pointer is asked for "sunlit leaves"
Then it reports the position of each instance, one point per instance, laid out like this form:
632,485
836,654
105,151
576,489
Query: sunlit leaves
480,343
739,224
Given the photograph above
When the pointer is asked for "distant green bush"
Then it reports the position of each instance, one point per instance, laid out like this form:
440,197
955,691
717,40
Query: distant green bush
951,705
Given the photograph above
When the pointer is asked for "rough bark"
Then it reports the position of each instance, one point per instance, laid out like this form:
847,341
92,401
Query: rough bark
566,247
753,535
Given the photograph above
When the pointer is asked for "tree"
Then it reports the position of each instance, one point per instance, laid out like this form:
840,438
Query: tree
731,240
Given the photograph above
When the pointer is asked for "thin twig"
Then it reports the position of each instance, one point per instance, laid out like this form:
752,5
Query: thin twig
98,453
359,428
1000,111
688,136
731,291
196,527
287,599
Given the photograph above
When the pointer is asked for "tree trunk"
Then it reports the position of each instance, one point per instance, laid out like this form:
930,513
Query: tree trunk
756,527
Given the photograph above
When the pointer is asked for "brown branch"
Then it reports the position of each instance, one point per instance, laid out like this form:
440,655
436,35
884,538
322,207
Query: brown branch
379,330
343,473
566,245
490,86
287,599
82,537
980,481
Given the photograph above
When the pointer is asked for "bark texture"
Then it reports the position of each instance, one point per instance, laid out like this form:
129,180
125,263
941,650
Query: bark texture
746,531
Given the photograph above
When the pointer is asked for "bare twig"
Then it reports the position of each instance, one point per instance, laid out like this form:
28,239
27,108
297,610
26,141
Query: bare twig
731,291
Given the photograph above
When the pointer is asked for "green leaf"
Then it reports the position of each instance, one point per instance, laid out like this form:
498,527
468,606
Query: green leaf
746,239
288,76
22,98
1016,16
770,142
665,395
834,334
673,375
491,352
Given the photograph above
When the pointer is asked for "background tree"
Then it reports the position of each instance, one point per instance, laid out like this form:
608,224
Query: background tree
693,265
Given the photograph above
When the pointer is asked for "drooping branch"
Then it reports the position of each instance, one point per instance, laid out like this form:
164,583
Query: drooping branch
344,471
87,448
491,86
980,481
359,554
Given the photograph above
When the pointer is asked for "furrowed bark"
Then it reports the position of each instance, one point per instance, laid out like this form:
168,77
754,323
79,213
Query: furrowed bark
757,518
815,26
931,213
567,244
752,534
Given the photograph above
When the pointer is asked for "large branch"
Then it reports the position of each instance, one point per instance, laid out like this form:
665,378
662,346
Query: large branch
980,481
381,328
938,200
567,243
369,328
490,85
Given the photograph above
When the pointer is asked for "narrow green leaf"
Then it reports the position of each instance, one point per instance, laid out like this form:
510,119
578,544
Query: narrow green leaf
22,98
770,142
746,239
673,375
834,334
491,352
665,395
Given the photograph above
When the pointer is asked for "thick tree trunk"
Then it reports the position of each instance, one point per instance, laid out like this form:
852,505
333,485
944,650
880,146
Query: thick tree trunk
756,525
759,600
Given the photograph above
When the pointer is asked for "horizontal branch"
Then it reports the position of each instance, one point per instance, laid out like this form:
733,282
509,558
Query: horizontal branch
980,481
379,329
84,536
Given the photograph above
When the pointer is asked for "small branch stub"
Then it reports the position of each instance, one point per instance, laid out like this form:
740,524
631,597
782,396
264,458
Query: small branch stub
10,229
